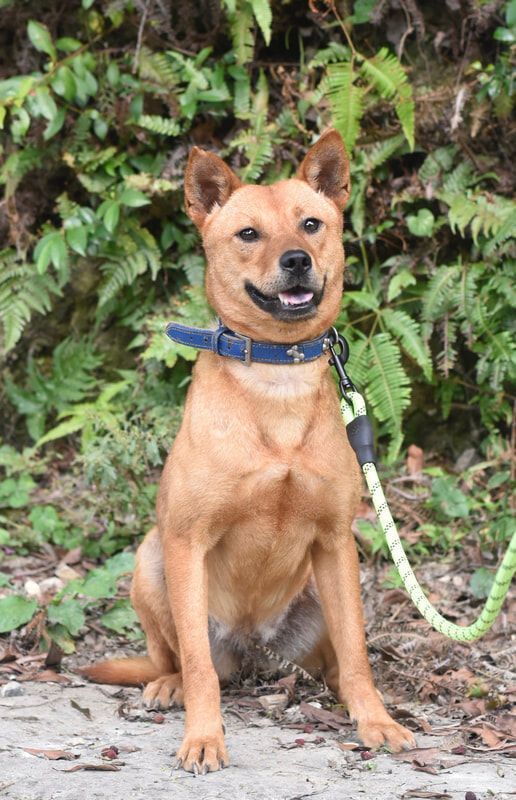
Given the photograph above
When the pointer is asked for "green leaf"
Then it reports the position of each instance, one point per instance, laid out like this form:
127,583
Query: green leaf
133,198
99,583
505,35
55,125
111,216
15,611
399,282
263,15
67,613
422,223
68,45
65,428
41,39
63,83
362,10
77,239
481,582
448,498
45,103
362,299
121,617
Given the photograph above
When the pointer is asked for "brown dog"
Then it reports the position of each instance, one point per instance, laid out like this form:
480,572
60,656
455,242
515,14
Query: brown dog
254,542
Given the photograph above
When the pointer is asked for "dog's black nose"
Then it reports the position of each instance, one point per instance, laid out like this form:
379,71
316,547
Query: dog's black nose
297,261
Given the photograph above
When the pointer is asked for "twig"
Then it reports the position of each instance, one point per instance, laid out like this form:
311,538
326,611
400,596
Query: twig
141,28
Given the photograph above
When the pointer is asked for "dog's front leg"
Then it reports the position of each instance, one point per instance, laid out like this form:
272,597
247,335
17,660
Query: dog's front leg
336,569
203,749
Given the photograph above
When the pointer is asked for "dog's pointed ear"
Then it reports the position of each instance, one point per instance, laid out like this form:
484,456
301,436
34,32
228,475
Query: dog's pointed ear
208,183
326,168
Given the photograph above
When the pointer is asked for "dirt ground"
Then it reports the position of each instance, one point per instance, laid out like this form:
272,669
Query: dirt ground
267,761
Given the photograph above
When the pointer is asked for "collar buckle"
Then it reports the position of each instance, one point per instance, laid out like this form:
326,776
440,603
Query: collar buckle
248,349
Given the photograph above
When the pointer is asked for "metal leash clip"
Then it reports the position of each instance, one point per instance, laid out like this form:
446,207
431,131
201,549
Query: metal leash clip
339,350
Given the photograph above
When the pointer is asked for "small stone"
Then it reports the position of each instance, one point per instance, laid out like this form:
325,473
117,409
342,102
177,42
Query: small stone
12,689
110,752
159,719
470,796
366,755
32,589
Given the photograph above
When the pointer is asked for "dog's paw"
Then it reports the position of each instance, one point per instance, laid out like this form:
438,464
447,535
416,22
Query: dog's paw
164,692
375,732
202,754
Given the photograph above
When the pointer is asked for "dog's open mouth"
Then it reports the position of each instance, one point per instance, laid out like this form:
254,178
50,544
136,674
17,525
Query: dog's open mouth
295,303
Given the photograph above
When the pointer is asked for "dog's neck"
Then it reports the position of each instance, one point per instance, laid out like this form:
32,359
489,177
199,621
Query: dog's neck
281,382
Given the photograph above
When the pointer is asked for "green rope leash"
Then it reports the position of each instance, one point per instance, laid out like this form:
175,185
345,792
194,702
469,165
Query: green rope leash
352,407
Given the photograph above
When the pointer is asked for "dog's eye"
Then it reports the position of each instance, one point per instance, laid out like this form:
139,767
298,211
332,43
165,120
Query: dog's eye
311,225
248,234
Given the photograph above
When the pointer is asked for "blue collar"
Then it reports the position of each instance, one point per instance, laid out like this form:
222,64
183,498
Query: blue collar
242,348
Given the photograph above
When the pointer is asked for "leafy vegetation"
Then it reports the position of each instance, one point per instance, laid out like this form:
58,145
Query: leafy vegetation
98,107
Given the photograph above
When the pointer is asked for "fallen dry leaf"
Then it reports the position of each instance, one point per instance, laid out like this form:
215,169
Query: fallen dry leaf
93,767
52,755
321,716
423,755
84,711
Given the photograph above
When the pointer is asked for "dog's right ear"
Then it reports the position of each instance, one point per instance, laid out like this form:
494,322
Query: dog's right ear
208,183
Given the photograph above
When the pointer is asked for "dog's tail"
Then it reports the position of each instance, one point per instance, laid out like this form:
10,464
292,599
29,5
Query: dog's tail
122,671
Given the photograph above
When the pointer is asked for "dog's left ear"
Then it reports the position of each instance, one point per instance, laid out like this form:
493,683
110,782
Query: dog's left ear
208,183
326,168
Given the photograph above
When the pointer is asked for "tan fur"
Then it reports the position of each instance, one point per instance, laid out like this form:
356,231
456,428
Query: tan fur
261,486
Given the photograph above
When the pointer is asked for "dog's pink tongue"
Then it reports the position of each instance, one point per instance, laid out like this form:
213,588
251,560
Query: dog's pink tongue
295,298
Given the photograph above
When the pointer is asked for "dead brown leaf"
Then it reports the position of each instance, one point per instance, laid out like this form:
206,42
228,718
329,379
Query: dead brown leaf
93,767
320,716
52,755
46,676
288,683
84,711
424,756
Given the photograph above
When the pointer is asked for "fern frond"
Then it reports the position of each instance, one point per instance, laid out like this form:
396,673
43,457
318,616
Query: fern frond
263,16
389,78
498,359
507,230
158,68
329,55
22,291
459,179
448,356
241,27
139,252
380,152
346,100
385,72
407,330
439,295
157,124
17,165
388,386
257,149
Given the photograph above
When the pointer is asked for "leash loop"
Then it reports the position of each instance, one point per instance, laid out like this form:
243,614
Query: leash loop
360,436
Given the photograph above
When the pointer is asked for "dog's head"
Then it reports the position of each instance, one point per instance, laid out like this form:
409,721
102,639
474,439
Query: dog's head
275,256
